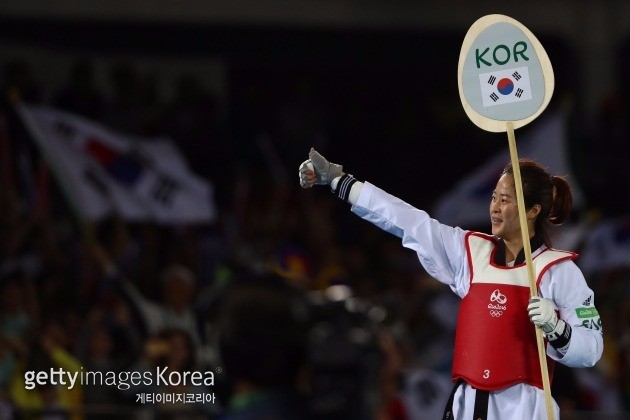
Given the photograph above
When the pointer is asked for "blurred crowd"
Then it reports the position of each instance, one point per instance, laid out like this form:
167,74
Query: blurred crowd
285,293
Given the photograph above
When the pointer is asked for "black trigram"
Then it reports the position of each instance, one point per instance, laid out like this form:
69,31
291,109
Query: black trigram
164,189
491,80
519,92
516,75
494,97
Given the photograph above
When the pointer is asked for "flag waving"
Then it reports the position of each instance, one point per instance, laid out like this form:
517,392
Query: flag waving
104,172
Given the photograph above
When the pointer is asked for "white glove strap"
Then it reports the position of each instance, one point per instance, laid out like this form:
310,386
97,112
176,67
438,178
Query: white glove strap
556,332
560,337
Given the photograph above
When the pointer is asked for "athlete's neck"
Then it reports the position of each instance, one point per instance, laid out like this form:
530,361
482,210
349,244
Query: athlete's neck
513,247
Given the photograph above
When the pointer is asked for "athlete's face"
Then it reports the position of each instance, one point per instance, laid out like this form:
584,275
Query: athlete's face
504,209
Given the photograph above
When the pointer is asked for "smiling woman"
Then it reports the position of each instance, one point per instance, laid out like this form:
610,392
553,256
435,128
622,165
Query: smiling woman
496,366
548,200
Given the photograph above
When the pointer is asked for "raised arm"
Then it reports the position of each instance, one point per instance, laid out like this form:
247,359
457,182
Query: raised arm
440,248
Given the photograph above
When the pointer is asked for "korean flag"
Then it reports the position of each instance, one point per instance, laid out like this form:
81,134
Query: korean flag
505,86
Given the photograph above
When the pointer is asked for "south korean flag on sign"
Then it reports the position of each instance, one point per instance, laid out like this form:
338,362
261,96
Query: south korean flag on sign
505,86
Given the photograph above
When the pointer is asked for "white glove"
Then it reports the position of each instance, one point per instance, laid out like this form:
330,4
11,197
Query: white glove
318,171
542,313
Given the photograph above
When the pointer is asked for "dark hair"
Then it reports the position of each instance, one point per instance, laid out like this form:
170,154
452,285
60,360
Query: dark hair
551,192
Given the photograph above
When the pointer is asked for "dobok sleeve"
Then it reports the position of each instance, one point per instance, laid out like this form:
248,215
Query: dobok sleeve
440,248
565,285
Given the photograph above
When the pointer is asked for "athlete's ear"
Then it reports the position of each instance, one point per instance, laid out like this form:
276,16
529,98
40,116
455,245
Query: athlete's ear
533,212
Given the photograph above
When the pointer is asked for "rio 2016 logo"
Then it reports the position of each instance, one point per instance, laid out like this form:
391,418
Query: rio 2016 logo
497,303
498,297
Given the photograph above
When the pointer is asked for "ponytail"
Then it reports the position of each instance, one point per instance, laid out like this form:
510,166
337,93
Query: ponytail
552,193
562,201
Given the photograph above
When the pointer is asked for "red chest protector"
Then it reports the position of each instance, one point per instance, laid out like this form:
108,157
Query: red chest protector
495,343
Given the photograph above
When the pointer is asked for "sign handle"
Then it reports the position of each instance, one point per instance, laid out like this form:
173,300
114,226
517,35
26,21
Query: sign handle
518,185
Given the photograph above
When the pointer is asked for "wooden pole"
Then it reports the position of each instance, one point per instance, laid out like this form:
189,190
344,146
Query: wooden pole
518,185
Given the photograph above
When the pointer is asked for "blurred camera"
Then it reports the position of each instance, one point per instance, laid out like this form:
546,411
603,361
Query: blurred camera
342,354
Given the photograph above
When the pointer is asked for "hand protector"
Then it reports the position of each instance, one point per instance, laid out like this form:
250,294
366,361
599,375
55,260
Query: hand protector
542,313
306,180
324,171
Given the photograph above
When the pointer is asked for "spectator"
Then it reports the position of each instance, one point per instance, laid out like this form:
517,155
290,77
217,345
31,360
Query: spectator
173,350
175,310
107,344
19,311
46,354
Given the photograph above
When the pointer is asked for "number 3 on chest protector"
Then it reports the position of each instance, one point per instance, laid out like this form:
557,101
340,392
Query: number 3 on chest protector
486,374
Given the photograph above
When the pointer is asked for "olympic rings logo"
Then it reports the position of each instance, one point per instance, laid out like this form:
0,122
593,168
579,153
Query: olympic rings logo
496,314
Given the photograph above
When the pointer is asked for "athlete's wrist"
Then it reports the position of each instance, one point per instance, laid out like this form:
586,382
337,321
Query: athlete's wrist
560,336
335,182
342,185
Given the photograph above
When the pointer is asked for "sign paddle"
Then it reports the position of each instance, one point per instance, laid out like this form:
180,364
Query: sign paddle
506,81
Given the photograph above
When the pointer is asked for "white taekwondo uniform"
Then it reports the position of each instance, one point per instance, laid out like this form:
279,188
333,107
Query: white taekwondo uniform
442,252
